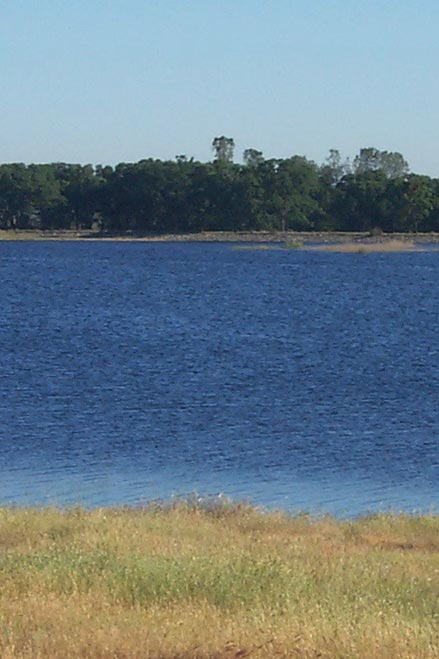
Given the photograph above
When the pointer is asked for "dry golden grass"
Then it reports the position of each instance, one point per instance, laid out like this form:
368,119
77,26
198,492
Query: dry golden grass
370,247
226,582
255,246
37,235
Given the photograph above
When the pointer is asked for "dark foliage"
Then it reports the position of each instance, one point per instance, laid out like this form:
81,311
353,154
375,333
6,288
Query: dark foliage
154,196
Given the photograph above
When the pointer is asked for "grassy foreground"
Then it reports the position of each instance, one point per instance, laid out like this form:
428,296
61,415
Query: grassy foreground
218,581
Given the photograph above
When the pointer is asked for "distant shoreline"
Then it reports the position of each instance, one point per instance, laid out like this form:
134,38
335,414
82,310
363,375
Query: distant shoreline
305,237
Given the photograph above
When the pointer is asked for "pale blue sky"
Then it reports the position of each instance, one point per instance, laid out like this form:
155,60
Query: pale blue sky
105,81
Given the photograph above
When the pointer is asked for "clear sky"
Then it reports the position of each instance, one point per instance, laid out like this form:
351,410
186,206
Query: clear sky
106,81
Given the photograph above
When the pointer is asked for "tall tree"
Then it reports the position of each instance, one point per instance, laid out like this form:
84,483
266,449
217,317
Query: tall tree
419,202
334,168
391,163
252,157
223,147
81,192
16,196
360,201
291,191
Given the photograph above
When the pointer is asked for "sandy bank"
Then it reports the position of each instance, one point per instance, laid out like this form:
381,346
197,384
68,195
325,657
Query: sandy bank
307,238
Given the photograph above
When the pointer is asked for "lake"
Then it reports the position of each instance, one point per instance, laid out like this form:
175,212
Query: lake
293,379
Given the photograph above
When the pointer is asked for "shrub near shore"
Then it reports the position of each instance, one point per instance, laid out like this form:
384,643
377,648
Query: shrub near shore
217,581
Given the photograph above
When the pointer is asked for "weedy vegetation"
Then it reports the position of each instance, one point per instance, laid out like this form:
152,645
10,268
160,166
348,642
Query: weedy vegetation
217,581
293,244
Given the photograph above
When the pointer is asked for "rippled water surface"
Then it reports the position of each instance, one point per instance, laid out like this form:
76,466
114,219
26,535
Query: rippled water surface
300,380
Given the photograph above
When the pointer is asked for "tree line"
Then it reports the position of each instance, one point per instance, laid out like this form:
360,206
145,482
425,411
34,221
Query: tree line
374,191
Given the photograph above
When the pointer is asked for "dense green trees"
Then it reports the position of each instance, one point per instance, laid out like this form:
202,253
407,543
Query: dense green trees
184,195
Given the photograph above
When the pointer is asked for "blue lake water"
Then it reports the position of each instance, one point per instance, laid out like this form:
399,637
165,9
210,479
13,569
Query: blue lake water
293,379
